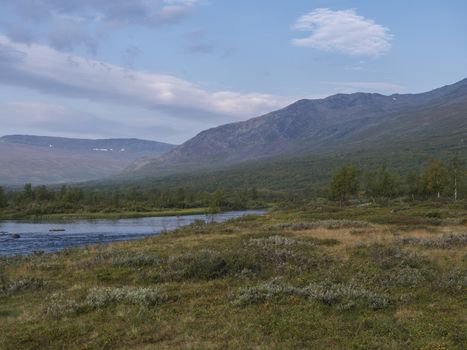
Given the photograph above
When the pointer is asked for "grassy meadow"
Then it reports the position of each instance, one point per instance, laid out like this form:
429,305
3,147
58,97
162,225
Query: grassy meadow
317,277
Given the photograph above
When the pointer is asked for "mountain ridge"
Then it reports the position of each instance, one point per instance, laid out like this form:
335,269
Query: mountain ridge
319,125
51,160
88,144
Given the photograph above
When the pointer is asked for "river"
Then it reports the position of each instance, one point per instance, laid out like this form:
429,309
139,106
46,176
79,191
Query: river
26,237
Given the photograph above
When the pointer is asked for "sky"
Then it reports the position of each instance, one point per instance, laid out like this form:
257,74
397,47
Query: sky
167,69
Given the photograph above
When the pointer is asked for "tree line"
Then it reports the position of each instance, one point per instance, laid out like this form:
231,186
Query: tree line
41,200
435,180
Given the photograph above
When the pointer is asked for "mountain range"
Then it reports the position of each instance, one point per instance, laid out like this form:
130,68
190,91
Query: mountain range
306,138
343,123
51,160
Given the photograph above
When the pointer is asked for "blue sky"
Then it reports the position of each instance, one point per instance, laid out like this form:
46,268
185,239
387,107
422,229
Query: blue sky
167,69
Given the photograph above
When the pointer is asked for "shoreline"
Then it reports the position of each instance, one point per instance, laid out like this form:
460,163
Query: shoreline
104,216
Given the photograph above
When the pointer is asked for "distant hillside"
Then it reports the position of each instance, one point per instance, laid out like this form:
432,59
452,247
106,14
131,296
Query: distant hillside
360,123
51,160
112,145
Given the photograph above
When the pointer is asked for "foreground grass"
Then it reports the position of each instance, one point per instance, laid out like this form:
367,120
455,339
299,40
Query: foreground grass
318,278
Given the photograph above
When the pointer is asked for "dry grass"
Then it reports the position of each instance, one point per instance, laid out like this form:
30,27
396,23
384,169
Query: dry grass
383,234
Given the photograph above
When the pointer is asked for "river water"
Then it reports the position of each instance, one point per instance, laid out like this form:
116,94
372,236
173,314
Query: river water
49,236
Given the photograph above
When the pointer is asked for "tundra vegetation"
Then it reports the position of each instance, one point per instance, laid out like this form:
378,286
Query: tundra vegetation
318,275
377,262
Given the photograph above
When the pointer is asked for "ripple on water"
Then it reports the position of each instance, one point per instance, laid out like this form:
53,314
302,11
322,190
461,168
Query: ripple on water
37,236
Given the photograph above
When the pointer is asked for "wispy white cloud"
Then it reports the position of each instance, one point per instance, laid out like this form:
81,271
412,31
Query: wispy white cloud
83,23
142,12
344,32
48,70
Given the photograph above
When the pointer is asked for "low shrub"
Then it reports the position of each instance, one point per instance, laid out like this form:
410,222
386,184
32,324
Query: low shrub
407,277
123,258
274,256
21,284
205,264
390,256
328,293
104,296
454,281
275,241
433,214
328,224
444,242
58,305
261,293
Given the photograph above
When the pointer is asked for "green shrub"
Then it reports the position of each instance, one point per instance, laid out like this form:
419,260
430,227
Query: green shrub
454,281
433,214
328,224
275,241
103,296
444,242
205,264
328,293
407,277
21,284
388,257
58,305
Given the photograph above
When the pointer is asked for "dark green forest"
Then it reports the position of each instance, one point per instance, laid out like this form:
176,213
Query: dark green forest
435,180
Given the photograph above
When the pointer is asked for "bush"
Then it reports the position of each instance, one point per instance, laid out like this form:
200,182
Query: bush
328,224
444,242
388,257
205,264
332,293
58,306
326,292
275,255
102,297
21,284
433,214
454,281
275,241
209,264
266,291
407,277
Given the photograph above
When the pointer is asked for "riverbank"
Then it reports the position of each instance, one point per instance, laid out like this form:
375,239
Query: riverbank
103,215
316,277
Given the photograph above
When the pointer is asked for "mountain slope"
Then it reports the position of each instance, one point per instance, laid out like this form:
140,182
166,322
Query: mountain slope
352,122
40,159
